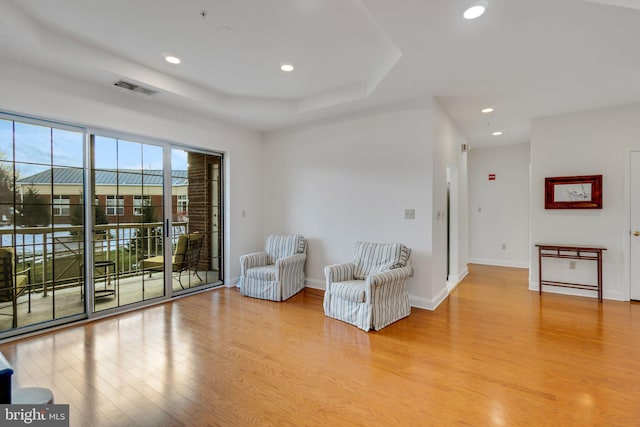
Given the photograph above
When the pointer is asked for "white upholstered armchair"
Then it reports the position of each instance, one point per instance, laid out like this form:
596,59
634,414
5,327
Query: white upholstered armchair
370,292
277,273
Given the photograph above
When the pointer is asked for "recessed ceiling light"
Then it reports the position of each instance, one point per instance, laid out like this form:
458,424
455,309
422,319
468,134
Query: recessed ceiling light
172,59
487,110
497,133
475,10
287,68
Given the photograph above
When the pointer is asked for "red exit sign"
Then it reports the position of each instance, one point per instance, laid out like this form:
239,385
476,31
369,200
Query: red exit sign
492,177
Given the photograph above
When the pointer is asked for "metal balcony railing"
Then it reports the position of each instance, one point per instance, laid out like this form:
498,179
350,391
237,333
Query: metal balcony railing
56,254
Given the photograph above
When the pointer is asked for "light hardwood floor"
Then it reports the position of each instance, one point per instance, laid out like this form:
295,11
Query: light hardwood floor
69,300
493,354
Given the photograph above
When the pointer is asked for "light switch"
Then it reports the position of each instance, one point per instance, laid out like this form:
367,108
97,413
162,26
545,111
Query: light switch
409,214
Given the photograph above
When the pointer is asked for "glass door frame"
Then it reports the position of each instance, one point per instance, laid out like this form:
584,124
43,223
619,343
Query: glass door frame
89,260
221,228
167,220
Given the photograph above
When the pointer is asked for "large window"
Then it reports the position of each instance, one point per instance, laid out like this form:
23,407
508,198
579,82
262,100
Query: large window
183,205
139,202
41,249
61,205
115,205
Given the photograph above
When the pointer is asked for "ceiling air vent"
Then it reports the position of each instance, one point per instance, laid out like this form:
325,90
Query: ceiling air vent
135,88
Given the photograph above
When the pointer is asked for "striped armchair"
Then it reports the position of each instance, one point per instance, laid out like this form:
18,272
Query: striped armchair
277,273
370,292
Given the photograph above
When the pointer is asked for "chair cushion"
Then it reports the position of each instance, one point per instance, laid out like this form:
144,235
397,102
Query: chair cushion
22,280
372,258
155,263
350,290
283,245
181,248
267,272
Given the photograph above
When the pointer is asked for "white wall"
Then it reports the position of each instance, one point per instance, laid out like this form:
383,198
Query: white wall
499,210
40,93
336,182
351,179
448,160
586,143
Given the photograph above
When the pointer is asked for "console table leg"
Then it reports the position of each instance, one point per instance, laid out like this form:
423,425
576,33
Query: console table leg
539,271
600,276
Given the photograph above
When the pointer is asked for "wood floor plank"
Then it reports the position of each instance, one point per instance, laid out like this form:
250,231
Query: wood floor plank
494,353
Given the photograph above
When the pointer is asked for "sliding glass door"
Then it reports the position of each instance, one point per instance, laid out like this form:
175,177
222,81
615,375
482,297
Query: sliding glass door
196,214
157,228
127,179
92,222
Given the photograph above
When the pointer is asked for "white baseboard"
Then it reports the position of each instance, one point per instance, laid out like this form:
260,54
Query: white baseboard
314,283
419,302
614,296
442,295
232,283
499,262
429,304
454,280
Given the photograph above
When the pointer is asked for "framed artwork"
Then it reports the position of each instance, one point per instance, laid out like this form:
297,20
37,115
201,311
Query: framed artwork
573,192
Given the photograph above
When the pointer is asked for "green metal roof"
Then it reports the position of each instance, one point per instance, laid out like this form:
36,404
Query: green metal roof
139,177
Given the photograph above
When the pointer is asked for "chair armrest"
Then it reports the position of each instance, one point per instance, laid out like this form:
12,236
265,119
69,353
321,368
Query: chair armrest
20,286
393,276
339,272
256,259
388,283
26,271
289,268
290,260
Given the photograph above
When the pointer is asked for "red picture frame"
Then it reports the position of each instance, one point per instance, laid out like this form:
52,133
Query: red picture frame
573,192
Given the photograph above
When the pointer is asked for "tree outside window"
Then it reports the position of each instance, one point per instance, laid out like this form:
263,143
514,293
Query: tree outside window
34,210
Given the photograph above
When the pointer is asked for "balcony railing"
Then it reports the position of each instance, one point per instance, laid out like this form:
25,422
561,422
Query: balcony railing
56,254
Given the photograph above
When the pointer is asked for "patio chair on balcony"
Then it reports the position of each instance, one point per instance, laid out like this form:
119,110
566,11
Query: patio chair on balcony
68,262
12,285
185,257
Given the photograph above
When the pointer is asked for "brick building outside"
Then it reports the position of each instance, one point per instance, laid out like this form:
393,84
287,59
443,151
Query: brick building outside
122,194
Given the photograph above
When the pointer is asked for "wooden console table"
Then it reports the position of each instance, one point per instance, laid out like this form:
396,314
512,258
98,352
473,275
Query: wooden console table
591,253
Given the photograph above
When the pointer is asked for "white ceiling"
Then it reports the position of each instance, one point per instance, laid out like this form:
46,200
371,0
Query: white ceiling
525,58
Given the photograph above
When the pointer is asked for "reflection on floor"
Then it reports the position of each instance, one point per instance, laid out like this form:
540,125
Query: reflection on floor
116,292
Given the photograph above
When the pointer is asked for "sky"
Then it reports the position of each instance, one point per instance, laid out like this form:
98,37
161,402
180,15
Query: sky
39,147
